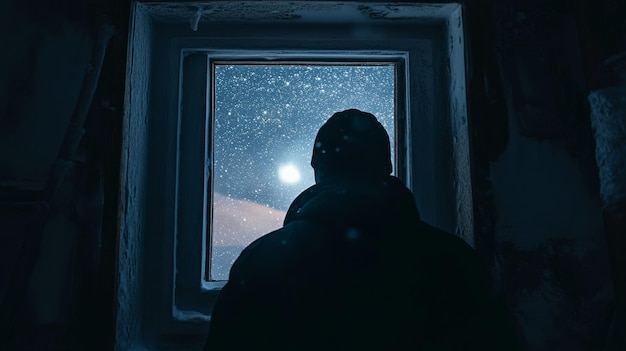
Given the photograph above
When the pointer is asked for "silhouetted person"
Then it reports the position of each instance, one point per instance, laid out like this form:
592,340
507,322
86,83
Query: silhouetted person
354,268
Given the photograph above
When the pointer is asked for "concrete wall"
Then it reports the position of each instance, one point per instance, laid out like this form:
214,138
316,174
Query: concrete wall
551,247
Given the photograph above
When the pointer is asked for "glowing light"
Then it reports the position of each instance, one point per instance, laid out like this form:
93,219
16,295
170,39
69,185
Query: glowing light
289,174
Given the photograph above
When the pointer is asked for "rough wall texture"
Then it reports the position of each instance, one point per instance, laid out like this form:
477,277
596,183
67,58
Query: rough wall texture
131,216
608,107
460,131
550,243
302,11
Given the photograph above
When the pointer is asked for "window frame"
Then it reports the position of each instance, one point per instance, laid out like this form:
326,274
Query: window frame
161,303
291,57
192,161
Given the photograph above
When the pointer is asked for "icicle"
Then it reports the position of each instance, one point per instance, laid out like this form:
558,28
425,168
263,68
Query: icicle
195,20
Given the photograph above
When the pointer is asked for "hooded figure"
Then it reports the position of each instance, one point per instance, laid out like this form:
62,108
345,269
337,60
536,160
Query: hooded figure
354,268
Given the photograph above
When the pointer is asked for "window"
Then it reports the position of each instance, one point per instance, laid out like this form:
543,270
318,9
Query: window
177,111
259,115
265,118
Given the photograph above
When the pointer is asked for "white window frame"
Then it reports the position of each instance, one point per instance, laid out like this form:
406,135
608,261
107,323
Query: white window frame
162,300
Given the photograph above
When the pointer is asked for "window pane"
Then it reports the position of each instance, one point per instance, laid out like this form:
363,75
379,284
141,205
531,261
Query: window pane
265,120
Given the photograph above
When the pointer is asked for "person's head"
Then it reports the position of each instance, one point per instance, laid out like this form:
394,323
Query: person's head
352,143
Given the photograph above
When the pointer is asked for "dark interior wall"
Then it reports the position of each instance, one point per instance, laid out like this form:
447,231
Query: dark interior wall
538,211
60,111
550,244
549,231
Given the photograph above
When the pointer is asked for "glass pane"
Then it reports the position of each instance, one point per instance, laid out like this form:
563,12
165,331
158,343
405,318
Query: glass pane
265,120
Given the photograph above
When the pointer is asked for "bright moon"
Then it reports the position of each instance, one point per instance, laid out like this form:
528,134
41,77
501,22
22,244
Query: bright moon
288,174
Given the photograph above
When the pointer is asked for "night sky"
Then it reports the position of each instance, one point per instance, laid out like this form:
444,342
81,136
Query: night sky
266,118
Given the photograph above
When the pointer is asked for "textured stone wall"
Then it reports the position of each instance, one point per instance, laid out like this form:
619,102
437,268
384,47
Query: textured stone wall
552,256
133,172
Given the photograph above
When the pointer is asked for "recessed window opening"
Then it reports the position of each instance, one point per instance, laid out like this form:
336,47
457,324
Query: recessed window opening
265,117
178,83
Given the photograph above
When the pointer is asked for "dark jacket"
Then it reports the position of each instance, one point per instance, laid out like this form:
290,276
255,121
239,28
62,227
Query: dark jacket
353,268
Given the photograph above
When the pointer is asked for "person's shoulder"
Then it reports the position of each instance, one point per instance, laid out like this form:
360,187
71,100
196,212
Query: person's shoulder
452,252
275,253
445,240
257,252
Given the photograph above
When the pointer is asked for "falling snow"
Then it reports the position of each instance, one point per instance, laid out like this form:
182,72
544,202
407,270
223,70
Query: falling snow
265,119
